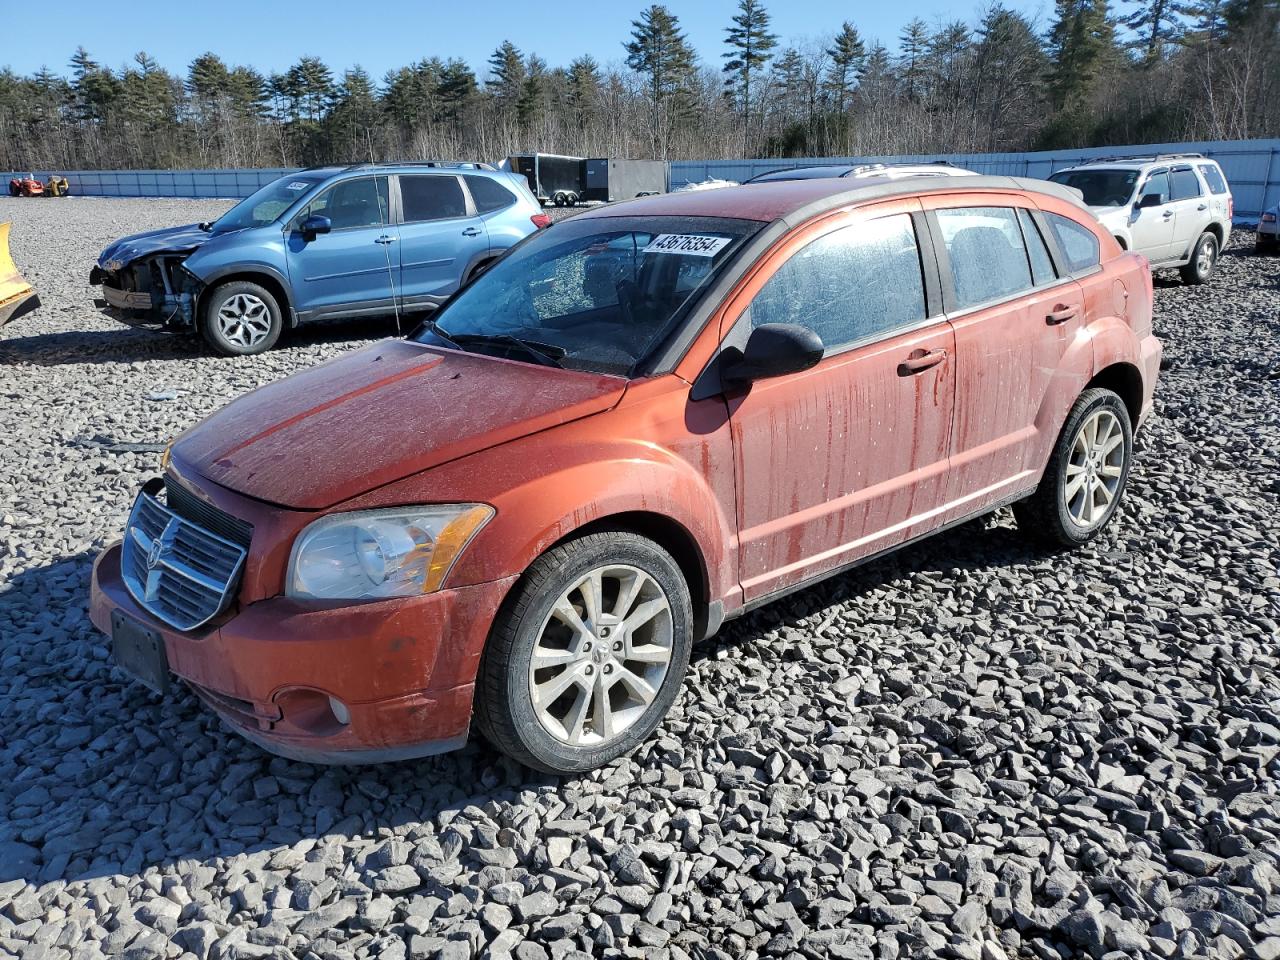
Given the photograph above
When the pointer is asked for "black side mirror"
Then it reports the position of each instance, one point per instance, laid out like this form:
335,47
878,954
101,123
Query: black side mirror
315,225
774,350
1150,200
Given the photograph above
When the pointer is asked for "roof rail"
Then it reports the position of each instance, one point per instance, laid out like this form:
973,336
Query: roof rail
449,164
1147,156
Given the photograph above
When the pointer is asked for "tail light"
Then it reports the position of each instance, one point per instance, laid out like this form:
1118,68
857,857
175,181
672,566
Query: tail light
1268,218
541,220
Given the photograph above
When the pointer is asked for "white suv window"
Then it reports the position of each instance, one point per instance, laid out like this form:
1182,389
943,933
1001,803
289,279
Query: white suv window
1213,177
1184,184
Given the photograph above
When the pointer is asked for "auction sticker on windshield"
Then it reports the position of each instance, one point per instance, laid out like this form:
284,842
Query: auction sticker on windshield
689,244
298,185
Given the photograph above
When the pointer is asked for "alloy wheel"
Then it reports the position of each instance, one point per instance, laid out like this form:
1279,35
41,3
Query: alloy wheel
1095,469
1204,260
601,656
244,319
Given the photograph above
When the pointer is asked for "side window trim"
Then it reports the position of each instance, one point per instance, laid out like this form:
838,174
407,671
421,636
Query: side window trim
1026,244
468,203
391,205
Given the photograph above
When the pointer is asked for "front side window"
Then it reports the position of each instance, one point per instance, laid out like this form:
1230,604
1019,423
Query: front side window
431,198
1157,185
988,259
488,194
1078,243
596,293
1184,183
854,283
353,203
1213,177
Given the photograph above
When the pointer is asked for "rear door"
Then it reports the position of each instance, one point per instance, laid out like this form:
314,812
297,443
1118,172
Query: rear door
350,268
1013,318
1151,228
848,458
440,236
1190,210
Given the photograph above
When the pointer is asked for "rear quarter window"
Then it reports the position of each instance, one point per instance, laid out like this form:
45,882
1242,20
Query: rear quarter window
1213,177
489,195
1079,244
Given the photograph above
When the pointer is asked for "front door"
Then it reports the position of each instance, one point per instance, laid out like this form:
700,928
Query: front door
1151,228
354,266
848,458
440,237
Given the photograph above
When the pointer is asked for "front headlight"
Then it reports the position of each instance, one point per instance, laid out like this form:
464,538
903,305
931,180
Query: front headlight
402,552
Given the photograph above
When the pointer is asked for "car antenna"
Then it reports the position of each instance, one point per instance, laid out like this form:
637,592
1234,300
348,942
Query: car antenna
391,277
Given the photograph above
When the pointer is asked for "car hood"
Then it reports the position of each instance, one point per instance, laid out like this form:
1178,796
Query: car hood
1111,214
378,415
176,239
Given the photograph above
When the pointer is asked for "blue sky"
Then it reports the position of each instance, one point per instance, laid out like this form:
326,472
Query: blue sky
271,34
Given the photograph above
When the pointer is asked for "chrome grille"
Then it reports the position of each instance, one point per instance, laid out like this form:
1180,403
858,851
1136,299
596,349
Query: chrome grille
180,572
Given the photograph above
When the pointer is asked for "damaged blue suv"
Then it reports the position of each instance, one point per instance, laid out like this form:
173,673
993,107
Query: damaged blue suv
326,242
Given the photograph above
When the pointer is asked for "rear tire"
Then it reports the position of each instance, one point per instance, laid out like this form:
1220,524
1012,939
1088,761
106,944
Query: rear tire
1204,258
609,618
1086,476
240,319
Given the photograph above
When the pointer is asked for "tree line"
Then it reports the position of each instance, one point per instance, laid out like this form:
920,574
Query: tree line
1143,71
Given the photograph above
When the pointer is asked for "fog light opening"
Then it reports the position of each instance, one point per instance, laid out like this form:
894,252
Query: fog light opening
340,711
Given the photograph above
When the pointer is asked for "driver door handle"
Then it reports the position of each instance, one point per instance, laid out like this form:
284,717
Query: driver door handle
385,239
919,361
471,232
1062,312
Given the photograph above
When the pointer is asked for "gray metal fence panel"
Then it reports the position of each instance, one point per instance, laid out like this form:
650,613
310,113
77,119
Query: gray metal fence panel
1252,167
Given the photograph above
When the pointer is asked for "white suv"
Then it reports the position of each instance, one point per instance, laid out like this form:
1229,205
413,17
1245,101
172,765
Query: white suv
1173,208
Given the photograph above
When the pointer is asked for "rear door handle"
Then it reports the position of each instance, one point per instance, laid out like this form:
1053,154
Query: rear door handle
921,360
1203,206
1167,214
471,232
385,239
1062,313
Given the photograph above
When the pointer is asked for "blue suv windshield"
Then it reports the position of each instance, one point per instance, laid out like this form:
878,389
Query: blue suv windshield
265,206
594,294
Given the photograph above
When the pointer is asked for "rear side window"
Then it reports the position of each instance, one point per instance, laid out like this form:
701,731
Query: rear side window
854,283
988,259
1037,252
431,198
1213,177
1078,244
489,195
1184,183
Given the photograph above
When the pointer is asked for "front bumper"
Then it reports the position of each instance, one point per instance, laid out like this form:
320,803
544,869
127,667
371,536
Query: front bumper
404,669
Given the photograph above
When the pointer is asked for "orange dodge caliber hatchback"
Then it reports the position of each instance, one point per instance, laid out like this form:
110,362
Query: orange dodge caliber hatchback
638,424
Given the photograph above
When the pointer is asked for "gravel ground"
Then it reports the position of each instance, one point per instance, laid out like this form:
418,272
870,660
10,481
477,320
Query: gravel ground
972,749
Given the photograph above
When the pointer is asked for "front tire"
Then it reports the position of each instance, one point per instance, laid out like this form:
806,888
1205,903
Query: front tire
588,654
1085,479
1203,260
240,319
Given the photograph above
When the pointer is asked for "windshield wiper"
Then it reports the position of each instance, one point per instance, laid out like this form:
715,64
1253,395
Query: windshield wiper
438,331
540,352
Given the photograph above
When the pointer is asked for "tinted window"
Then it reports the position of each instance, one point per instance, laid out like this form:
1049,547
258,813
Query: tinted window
1037,252
1157,184
1078,244
1185,183
1101,188
988,260
1213,177
488,194
354,203
853,283
431,198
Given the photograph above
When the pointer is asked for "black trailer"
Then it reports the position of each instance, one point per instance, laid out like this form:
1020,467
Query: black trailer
552,178
608,179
